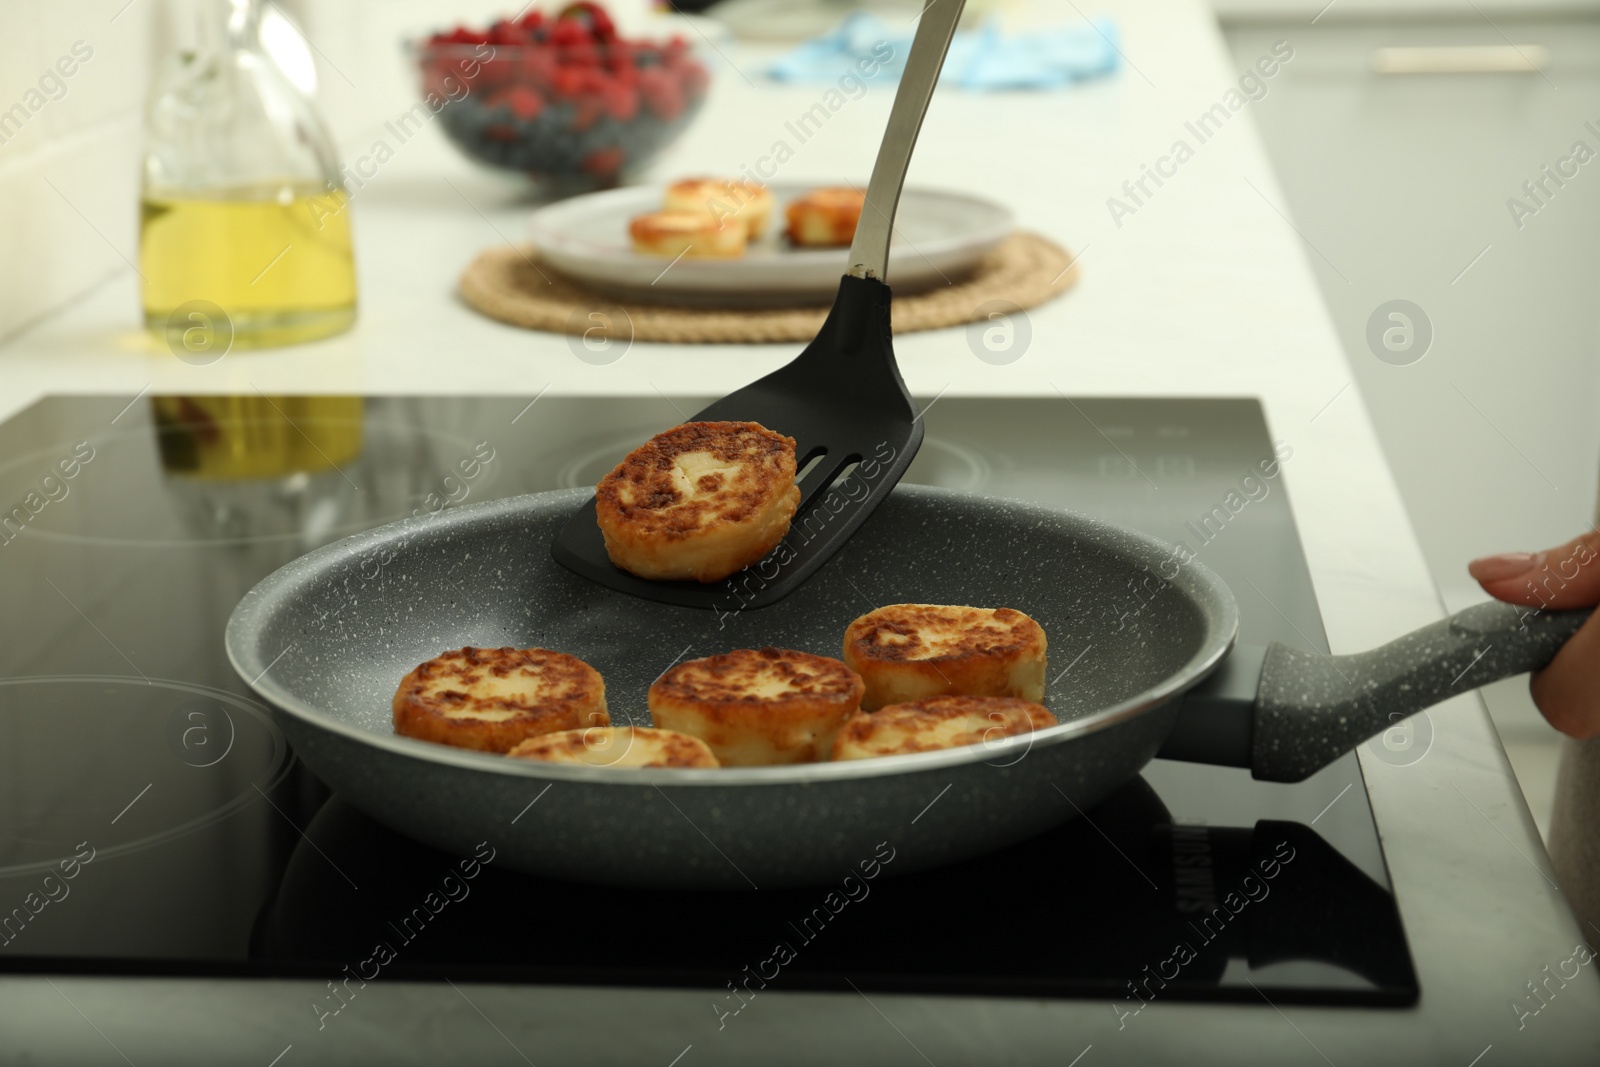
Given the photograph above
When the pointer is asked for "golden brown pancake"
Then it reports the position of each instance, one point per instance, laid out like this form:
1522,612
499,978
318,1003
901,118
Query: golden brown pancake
941,722
913,651
699,502
746,202
758,706
618,746
693,235
825,218
492,699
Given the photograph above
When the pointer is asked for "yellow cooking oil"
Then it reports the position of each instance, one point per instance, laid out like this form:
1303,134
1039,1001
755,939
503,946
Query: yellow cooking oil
274,257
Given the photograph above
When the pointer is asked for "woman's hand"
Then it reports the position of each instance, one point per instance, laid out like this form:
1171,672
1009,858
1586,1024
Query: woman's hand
1567,692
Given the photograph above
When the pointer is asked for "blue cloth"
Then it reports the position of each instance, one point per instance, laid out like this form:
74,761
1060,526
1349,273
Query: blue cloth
979,59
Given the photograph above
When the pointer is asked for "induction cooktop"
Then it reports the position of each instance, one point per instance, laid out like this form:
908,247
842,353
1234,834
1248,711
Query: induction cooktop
153,820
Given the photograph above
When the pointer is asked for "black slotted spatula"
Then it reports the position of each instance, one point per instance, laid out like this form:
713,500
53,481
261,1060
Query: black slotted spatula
842,399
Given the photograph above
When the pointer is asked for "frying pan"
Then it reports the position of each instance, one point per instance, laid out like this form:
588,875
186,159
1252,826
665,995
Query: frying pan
1140,642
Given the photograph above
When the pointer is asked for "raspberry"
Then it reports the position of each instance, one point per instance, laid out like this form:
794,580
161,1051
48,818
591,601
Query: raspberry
568,81
568,32
504,32
524,102
593,17
622,102
617,57
539,67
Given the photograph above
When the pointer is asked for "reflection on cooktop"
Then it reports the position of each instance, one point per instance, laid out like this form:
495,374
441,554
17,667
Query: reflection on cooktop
294,471
1125,905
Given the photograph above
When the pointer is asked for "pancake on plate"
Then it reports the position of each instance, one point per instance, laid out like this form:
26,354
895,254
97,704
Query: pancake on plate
825,218
690,234
746,202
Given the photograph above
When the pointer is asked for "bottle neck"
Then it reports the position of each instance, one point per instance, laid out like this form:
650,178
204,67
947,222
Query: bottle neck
229,24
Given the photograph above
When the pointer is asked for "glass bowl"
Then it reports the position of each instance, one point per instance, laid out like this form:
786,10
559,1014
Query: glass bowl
571,116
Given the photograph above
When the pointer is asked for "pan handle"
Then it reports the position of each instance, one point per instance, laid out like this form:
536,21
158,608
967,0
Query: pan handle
1311,708
1306,709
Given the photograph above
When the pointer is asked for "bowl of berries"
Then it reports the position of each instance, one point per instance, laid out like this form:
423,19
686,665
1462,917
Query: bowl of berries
563,99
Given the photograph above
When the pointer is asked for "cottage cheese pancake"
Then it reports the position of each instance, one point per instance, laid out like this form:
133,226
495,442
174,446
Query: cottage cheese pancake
618,746
912,651
942,722
492,699
758,706
699,502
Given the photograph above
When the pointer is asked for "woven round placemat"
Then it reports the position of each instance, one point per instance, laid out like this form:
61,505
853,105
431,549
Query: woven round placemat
511,284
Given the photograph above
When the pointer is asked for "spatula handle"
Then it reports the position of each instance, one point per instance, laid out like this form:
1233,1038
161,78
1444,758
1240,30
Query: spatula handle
869,252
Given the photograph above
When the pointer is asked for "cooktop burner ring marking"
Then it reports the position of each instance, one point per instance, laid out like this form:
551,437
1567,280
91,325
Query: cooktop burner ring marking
281,760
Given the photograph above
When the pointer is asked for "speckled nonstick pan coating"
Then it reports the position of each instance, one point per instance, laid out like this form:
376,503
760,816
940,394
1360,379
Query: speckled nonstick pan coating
1133,629
358,614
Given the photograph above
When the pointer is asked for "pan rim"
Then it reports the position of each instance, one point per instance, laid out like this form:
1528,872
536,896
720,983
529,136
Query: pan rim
1195,580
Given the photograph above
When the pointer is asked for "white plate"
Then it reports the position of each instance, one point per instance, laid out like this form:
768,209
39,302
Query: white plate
939,237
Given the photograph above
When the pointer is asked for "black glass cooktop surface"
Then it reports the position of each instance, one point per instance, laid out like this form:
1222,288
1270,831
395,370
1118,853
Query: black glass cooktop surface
154,821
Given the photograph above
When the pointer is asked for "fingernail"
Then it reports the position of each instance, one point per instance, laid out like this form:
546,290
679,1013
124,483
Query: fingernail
1506,565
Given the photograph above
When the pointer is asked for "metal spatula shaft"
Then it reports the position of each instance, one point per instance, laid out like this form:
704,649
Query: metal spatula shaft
842,399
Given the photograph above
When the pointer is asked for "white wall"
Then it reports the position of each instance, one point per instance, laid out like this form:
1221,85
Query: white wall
68,176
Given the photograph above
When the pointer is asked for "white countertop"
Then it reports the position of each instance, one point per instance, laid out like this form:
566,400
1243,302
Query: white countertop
1294,12
1205,290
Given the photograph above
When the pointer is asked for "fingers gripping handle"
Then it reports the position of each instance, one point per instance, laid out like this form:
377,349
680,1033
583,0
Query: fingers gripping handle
1311,708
